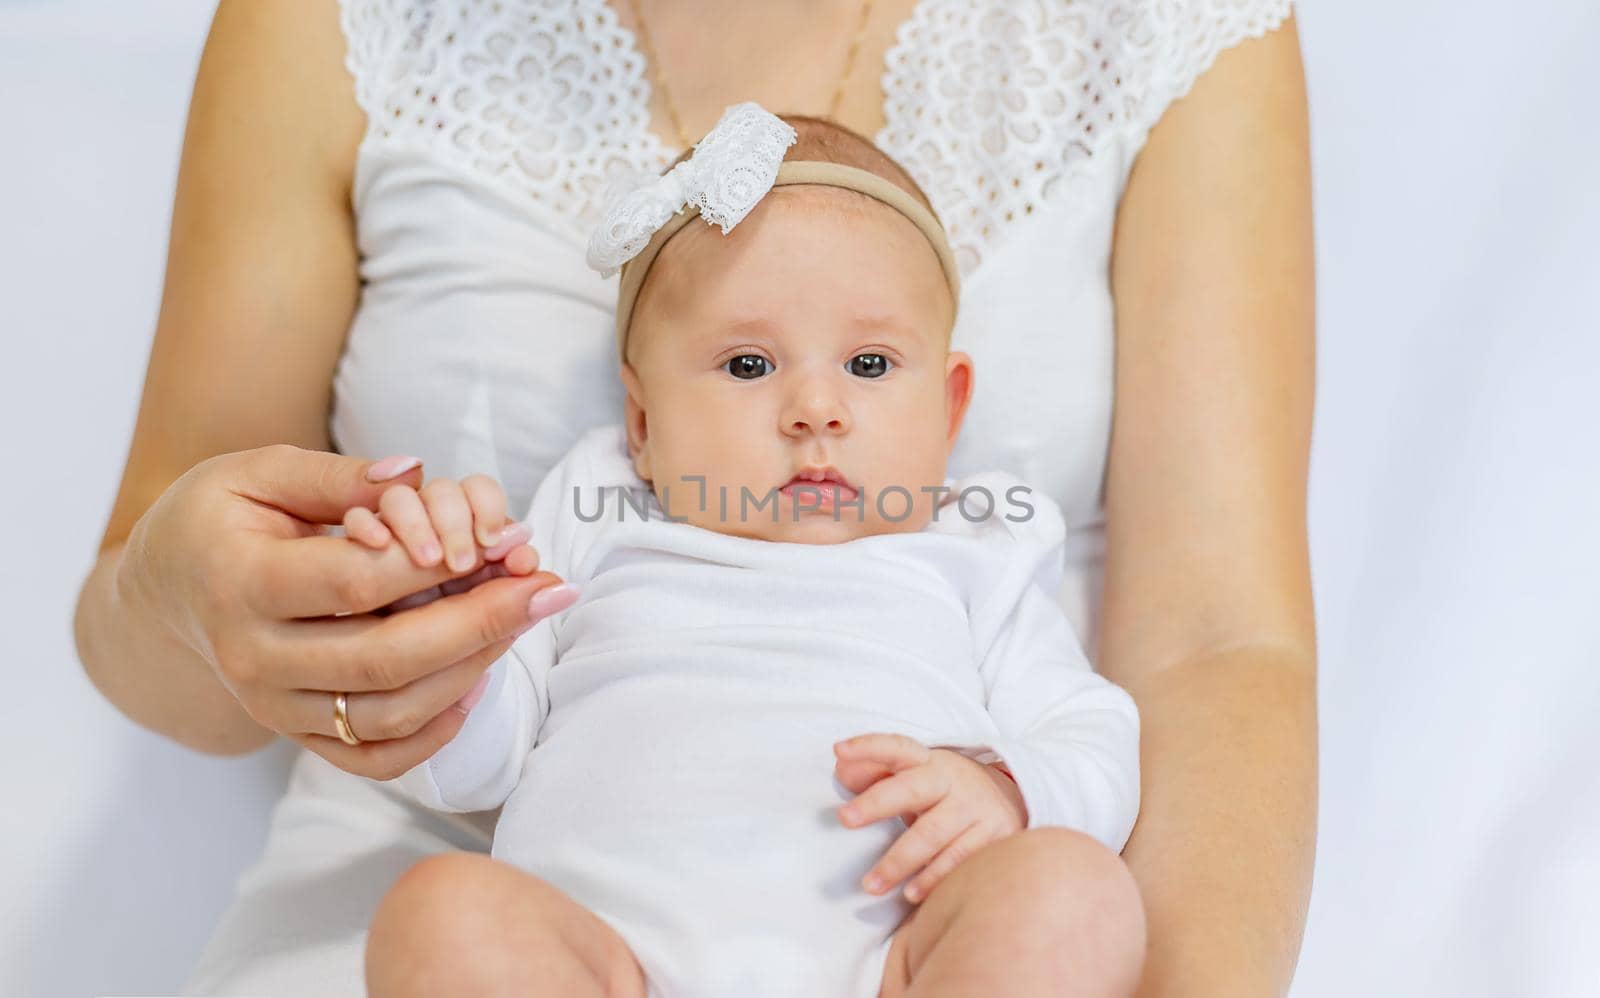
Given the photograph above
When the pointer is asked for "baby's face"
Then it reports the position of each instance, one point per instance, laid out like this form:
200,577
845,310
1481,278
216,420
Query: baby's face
813,336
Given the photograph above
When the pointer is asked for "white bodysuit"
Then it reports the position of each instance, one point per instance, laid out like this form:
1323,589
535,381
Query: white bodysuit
663,749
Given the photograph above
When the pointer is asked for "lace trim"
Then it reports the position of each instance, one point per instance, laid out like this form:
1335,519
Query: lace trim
545,99
992,105
1178,41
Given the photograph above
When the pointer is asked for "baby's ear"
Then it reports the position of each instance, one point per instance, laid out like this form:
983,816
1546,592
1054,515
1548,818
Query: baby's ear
958,385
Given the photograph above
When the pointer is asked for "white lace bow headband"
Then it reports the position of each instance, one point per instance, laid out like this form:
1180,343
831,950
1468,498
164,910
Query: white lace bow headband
731,169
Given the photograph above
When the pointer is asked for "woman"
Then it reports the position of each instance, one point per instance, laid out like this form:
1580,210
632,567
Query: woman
397,268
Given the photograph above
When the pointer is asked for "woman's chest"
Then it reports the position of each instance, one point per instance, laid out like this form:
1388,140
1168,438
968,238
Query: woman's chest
830,60
483,343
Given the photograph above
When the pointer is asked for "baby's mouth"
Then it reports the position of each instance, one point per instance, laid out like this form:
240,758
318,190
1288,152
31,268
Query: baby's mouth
820,489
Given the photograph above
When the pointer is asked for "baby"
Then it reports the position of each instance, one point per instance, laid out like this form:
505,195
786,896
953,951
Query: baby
772,563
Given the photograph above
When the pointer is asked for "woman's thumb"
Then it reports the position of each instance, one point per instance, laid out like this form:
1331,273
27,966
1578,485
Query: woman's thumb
319,486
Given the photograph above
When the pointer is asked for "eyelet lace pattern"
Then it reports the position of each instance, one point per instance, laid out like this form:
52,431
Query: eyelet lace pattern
992,105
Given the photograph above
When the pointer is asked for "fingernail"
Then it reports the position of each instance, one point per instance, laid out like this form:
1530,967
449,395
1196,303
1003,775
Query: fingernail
460,561
392,467
874,883
466,703
552,599
510,537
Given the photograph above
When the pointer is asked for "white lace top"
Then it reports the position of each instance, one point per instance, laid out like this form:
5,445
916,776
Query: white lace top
483,342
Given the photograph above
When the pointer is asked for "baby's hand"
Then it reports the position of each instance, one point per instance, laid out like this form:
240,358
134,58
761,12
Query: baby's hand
953,805
446,520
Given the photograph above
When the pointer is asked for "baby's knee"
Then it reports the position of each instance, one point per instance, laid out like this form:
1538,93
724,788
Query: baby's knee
436,893
427,928
1083,895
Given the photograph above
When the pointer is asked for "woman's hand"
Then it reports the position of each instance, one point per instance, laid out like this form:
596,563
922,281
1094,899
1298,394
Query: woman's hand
446,516
953,805
233,559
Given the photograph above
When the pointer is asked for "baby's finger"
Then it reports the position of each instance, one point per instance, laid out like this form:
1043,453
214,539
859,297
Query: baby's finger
403,512
968,842
913,790
451,517
362,525
857,775
488,504
915,847
895,751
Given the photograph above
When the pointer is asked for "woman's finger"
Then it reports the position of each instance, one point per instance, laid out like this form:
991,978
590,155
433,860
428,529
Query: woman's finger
363,526
968,842
422,598
916,846
493,570
488,503
367,652
512,535
312,485
324,576
386,760
377,715
405,514
451,517
522,560
910,790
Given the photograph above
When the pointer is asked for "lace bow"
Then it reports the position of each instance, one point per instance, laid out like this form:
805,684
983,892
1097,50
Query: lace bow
730,170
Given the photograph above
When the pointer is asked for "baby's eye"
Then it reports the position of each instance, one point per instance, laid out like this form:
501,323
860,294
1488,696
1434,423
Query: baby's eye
869,365
748,366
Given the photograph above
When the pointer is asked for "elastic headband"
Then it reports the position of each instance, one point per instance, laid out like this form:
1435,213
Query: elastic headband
793,172
728,173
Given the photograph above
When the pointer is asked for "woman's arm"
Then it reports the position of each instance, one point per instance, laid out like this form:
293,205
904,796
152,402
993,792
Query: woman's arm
1207,615
261,283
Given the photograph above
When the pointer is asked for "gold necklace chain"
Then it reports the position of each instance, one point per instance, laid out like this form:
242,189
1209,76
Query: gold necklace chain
660,78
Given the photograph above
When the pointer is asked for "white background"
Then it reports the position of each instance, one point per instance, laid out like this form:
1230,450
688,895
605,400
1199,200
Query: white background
1455,490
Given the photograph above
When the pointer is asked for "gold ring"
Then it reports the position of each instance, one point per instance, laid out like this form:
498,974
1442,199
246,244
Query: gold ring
341,721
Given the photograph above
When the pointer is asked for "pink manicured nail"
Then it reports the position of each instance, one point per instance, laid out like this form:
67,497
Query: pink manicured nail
466,703
513,535
392,467
552,599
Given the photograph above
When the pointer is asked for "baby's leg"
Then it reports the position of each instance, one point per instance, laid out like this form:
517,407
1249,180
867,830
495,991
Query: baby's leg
1047,911
463,923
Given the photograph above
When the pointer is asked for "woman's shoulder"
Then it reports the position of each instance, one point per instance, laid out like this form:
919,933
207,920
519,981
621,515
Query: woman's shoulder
997,106
1096,69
